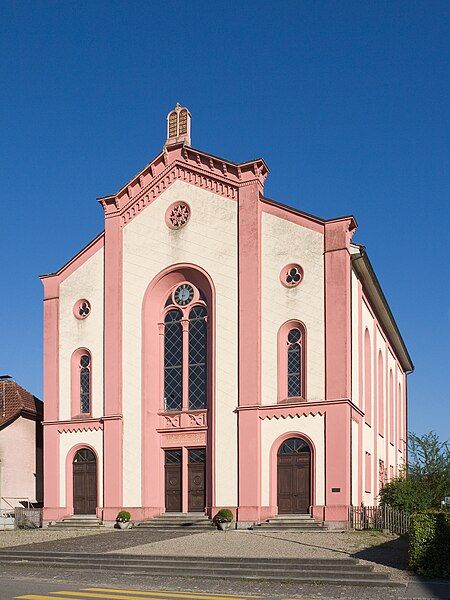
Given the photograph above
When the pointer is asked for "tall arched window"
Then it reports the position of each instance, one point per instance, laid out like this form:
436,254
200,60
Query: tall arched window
380,394
85,384
367,378
173,360
292,362
81,383
391,408
185,349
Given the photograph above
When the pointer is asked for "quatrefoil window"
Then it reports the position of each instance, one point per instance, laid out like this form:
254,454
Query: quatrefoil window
177,215
82,309
291,275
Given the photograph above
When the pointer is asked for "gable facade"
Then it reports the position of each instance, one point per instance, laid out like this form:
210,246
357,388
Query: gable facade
266,349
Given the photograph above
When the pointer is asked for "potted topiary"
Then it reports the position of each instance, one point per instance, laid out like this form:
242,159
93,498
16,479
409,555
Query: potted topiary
123,520
223,519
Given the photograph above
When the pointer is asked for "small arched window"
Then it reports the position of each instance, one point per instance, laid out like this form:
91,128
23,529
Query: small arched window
85,384
291,361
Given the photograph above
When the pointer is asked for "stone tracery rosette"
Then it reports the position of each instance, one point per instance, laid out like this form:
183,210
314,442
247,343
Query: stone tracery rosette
177,215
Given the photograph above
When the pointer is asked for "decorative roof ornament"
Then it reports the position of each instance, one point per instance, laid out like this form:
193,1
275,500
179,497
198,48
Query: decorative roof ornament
178,126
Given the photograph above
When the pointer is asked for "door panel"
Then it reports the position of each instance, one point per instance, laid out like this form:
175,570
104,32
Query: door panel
173,488
294,481
84,483
196,480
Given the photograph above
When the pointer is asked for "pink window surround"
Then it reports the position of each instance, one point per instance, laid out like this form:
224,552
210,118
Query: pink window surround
380,395
368,477
283,346
289,279
400,421
75,388
185,324
153,385
367,378
82,309
69,474
273,479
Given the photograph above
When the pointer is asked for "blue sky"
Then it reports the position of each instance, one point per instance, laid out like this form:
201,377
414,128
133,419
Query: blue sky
346,101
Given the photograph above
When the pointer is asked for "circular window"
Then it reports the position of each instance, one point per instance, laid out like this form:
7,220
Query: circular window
177,215
183,294
294,336
291,275
82,309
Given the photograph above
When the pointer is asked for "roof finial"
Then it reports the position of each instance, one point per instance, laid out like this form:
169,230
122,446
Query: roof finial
178,126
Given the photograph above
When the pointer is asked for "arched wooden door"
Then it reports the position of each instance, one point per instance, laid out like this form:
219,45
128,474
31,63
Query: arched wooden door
294,476
84,482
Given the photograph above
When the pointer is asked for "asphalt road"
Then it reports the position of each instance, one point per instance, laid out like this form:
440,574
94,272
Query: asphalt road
50,583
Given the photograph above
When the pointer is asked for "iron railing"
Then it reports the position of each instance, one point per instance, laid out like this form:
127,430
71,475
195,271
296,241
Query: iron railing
379,517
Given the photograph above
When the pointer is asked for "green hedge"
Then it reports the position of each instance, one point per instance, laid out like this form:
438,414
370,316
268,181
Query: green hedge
429,544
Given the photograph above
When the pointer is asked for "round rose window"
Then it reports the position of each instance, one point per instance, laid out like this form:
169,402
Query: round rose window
177,215
291,275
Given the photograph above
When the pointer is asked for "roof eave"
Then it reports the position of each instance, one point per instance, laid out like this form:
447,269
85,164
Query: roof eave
375,294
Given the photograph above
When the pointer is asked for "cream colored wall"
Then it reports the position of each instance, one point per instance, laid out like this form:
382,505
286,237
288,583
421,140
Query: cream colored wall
18,462
284,242
67,440
84,283
314,428
209,241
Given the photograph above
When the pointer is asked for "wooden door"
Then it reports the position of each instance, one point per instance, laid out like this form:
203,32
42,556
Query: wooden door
196,480
294,477
173,487
84,482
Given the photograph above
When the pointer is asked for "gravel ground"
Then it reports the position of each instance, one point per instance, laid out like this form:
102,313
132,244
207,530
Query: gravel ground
384,551
20,537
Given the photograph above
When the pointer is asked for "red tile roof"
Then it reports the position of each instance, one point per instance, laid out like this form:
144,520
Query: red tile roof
15,401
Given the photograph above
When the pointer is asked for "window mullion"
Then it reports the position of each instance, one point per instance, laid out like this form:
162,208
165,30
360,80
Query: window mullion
185,367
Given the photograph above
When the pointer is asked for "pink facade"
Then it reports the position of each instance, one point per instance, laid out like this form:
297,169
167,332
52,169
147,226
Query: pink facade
205,331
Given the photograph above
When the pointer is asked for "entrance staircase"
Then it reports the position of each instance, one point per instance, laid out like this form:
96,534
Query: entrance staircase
291,523
337,571
77,522
167,521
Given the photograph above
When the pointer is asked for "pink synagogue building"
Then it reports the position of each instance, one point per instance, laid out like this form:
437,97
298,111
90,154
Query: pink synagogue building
214,348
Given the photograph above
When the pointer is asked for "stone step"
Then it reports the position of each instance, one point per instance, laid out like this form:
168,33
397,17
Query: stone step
338,571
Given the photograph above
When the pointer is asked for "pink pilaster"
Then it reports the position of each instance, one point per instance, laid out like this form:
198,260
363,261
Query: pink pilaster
337,462
249,351
112,433
338,308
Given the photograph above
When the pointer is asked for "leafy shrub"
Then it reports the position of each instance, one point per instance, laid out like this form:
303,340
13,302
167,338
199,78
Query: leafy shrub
409,494
123,517
429,544
223,516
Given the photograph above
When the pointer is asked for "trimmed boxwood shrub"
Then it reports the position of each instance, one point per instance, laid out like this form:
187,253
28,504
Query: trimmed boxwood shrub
429,544
224,515
123,517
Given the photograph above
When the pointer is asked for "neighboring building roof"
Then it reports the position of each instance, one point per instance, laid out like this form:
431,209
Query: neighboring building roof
16,401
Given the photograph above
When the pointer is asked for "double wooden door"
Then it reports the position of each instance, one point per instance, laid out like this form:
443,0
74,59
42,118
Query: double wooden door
84,482
294,481
196,491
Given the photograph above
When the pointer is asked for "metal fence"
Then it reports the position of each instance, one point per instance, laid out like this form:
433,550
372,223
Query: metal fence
28,518
379,517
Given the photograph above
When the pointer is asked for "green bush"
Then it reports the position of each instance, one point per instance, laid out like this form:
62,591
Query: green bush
429,544
223,516
409,494
123,517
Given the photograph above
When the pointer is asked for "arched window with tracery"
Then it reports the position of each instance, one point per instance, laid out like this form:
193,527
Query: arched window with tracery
81,386
291,362
185,329
380,390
